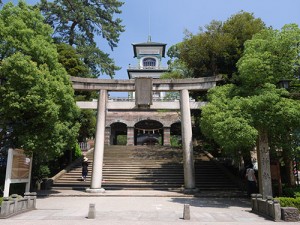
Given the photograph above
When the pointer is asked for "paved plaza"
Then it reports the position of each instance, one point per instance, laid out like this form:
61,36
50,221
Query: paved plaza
136,207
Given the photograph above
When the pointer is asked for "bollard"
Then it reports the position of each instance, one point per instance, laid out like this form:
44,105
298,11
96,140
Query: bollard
186,212
277,210
92,212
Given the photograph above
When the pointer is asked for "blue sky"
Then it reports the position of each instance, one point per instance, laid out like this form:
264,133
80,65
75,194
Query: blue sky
169,19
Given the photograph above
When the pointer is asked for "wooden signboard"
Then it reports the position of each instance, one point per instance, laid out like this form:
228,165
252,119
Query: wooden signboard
18,169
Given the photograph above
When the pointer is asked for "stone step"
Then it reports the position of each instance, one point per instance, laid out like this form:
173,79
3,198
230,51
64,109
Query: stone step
140,167
233,190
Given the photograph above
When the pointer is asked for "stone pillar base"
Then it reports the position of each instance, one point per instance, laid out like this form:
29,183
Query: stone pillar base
190,190
130,136
95,190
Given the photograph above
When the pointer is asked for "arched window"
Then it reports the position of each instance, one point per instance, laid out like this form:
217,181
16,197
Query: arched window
149,62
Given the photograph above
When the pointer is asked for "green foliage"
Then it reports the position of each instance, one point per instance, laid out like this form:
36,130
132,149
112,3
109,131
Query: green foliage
121,139
172,75
77,151
37,99
236,113
78,23
41,172
271,56
175,141
289,202
178,68
216,48
224,120
242,26
87,120
291,192
68,57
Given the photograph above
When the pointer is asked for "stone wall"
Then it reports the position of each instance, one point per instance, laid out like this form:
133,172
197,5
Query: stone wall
130,118
16,204
270,208
290,214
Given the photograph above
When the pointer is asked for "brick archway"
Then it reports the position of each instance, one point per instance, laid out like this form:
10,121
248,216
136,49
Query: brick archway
148,132
118,129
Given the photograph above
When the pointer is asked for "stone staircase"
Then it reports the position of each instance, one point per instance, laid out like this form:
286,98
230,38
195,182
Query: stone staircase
149,167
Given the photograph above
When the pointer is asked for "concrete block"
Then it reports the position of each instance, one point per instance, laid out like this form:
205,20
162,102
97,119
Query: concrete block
254,204
277,211
186,212
92,212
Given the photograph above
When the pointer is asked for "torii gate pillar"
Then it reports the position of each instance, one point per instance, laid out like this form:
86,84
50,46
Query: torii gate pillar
187,142
96,179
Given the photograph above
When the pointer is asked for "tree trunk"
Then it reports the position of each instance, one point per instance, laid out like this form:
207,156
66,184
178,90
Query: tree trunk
289,170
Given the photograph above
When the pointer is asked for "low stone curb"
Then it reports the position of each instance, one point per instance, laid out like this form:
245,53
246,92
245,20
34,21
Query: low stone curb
16,204
271,208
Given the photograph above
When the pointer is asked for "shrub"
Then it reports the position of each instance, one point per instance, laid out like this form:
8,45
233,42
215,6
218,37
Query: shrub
121,139
42,172
289,202
77,151
175,141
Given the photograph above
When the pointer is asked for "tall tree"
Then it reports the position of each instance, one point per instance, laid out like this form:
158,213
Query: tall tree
68,57
78,23
257,107
37,102
217,47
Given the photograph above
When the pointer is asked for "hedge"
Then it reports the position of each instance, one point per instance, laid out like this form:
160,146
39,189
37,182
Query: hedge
289,202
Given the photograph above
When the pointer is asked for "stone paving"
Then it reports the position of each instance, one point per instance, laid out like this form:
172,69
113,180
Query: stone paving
70,207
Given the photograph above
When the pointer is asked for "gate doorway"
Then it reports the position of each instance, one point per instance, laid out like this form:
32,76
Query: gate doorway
175,134
118,132
148,132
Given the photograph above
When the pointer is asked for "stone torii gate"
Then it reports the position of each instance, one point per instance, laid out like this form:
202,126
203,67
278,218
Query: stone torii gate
143,88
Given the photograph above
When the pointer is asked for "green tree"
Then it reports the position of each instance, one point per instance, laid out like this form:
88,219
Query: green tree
238,115
78,23
68,57
88,124
217,47
225,121
271,56
241,27
37,100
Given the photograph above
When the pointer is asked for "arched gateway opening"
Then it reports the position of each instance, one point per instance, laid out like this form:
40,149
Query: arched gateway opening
175,134
118,133
148,132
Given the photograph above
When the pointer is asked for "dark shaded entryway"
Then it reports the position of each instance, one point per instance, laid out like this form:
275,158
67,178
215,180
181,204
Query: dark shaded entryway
148,132
118,135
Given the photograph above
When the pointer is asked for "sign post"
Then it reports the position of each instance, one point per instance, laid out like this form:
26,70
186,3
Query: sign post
18,169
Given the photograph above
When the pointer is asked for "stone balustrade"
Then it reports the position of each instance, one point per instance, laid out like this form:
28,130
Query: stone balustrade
270,208
15,204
